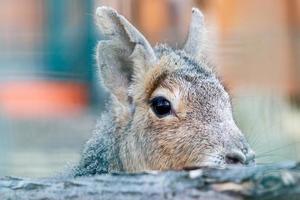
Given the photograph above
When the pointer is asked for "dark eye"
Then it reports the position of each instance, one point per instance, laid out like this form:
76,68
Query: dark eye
161,106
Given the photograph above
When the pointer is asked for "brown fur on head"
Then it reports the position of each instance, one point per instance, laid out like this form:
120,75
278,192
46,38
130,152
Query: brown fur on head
198,130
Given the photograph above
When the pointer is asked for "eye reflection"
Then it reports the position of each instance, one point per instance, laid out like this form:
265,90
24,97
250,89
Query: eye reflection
161,106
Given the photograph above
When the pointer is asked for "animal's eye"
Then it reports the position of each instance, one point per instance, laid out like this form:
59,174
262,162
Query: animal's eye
161,106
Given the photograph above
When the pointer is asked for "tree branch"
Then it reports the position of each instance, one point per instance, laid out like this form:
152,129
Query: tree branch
279,181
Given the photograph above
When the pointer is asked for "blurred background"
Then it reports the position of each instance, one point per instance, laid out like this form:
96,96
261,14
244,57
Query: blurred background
50,95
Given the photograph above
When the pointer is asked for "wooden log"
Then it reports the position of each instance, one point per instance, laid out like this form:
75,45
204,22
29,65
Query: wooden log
279,181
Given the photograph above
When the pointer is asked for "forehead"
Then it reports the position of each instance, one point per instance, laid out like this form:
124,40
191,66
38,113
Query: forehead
193,80
194,86
179,64
181,71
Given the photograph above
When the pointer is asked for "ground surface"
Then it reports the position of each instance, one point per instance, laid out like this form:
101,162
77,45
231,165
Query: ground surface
280,181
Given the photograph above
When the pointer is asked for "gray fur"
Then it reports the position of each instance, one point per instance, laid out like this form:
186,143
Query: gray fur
195,40
124,46
129,137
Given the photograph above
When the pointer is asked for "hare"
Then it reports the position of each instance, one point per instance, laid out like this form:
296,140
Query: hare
167,108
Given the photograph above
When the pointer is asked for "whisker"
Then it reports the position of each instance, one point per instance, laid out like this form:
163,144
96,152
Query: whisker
280,148
265,163
266,155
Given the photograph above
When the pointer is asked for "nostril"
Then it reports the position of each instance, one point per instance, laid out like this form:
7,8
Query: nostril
232,160
235,158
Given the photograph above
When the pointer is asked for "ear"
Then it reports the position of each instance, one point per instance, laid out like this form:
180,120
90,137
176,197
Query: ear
125,56
195,40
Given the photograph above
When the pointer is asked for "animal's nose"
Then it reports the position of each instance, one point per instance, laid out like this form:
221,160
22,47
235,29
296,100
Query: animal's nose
250,158
237,157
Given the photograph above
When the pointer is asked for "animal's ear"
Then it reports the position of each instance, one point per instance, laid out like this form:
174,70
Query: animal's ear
195,41
125,56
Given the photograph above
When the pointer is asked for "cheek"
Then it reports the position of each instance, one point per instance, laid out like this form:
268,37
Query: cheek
160,134
169,141
192,140
147,124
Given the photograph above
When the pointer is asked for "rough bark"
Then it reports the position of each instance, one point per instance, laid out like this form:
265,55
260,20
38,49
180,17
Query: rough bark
280,181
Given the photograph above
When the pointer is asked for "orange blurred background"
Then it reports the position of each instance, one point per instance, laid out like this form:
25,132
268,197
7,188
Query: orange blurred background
253,44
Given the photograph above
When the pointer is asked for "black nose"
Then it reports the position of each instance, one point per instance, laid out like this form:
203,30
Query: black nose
235,158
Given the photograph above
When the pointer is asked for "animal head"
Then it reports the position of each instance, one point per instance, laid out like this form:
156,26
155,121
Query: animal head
170,108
